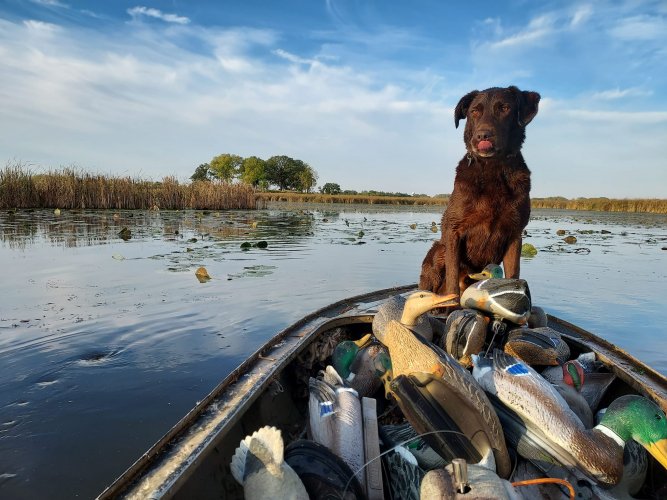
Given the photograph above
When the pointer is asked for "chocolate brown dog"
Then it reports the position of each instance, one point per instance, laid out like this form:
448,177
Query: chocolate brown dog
490,204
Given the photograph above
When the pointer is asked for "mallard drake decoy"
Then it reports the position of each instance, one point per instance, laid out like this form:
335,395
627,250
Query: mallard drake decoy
258,465
537,346
361,363
482,483
465,334
504,298
411,311
335,419
435,393
489,271
538,422
635,467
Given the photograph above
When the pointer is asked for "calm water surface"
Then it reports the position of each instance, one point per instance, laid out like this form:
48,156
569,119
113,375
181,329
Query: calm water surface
106,343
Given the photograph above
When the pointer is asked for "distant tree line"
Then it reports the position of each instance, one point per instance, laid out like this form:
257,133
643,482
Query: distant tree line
282,172
334,188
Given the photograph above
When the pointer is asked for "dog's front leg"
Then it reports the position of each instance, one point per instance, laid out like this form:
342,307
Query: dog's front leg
512,258
452,242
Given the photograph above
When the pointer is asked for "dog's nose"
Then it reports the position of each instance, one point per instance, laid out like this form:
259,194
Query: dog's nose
483,134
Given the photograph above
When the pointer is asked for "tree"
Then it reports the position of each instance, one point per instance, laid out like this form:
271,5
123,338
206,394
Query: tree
330,188
282,171
202,173
253,171
306,177
226,166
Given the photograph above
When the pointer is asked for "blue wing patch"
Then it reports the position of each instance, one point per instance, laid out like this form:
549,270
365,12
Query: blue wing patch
517,369
326,408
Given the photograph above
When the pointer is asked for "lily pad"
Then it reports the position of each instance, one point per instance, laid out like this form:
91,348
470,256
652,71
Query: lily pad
528,250
570,239
262,244
246,245
125,234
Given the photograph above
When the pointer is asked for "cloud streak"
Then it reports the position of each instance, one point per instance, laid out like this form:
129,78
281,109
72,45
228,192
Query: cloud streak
140,11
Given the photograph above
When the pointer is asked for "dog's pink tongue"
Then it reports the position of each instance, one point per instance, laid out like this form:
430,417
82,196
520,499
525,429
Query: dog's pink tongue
484,145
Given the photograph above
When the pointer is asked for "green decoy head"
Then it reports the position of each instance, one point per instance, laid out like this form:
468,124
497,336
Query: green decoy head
639,418
573,374
345,352
490,271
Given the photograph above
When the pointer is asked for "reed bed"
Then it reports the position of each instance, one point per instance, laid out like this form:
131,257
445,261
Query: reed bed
650,205
292,197
69,188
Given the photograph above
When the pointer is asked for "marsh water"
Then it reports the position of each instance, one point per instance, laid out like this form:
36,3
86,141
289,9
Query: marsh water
106,341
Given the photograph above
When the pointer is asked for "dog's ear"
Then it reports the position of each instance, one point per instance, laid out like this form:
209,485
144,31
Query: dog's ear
461,110
527,102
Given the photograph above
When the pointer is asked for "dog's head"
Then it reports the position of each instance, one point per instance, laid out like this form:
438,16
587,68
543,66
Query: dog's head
496,120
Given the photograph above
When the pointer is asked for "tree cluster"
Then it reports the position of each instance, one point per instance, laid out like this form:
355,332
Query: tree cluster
283,172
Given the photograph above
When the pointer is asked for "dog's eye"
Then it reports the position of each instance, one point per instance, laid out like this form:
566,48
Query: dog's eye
475,113
504,108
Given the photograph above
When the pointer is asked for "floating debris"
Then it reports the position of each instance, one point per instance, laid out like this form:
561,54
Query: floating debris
561,232
202,275
413,226
56,212
434,228
570,239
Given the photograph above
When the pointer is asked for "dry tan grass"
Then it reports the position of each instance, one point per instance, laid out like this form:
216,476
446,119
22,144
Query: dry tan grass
71,188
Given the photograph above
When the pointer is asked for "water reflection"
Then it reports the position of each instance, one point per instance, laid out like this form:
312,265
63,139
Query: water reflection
108,341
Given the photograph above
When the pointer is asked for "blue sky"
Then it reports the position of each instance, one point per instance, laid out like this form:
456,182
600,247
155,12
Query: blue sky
363,91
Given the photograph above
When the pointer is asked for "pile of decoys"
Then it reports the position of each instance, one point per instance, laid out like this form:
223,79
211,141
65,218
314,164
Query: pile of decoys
495,377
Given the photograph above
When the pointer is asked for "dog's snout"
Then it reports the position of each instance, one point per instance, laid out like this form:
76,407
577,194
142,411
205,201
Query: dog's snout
484,133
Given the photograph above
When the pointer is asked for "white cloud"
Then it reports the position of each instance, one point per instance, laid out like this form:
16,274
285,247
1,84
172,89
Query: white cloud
51,3
642,27
139,11
618,93
537,29
581,15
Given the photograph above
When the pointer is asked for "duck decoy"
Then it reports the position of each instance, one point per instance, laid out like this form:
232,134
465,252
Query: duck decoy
480,483
405,435
635,467
335,418
537,318
361,363
537,346
411,312
259,466
504,298
489,271
435,393
403,473
465,334
582,374
569,385
538,422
